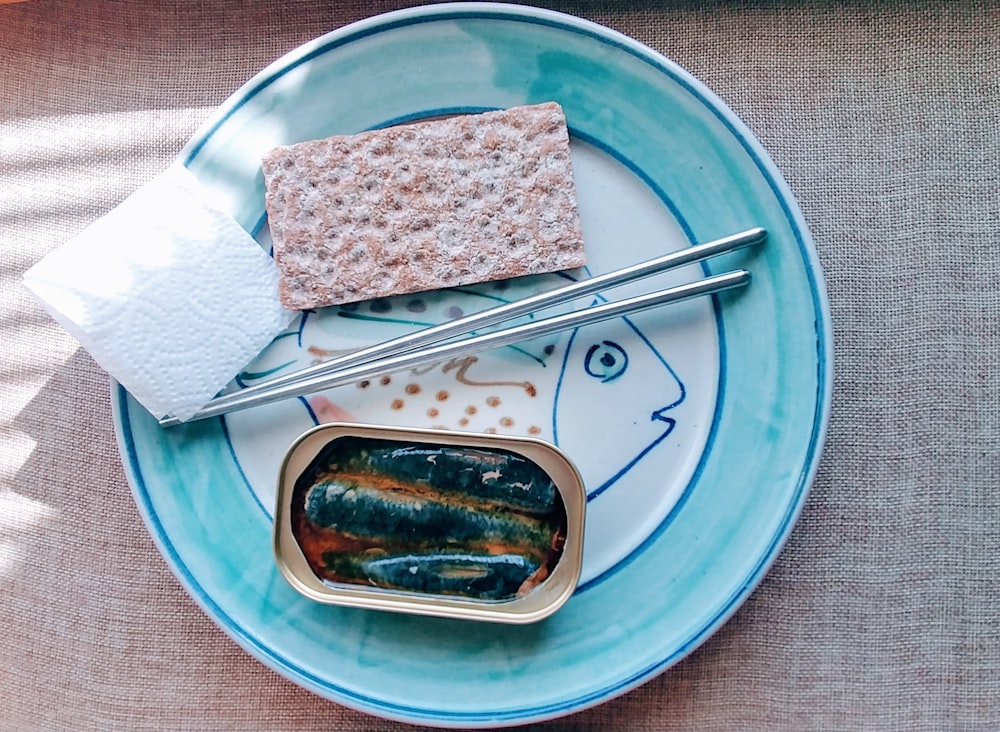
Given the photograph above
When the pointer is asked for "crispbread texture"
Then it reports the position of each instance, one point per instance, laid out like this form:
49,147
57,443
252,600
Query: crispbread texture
422,206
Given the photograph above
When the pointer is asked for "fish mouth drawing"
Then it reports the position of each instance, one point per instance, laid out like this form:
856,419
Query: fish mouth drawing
657,415
660,416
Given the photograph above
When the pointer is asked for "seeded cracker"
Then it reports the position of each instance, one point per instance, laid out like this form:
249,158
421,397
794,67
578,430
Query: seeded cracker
423,206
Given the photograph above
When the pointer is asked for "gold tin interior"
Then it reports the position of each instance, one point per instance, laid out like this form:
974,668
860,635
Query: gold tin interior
538,603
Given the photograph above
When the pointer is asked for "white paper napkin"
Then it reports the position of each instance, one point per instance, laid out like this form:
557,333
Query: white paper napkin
168,293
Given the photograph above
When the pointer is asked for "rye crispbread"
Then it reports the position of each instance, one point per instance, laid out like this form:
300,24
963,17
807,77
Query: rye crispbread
423,206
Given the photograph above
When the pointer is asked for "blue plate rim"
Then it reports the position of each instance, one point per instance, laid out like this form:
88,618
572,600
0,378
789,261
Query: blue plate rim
487,11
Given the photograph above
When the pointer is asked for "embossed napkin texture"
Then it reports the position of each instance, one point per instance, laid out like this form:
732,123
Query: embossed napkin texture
881,611
167,292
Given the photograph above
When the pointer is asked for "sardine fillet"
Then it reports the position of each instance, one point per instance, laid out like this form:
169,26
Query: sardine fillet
422,206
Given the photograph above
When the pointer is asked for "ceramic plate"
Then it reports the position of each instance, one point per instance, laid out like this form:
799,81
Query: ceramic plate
697,427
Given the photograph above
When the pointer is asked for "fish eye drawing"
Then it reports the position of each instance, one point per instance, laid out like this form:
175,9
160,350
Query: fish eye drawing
606,361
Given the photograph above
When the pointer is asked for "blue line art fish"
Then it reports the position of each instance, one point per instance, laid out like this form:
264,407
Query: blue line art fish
606,379
614,380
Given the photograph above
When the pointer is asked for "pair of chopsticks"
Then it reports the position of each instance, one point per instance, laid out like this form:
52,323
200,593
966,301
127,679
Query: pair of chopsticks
432,344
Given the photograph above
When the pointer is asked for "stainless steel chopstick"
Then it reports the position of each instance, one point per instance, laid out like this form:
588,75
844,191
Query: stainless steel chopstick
492,316
446,351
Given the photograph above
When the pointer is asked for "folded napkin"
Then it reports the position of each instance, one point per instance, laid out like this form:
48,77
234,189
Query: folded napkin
167,292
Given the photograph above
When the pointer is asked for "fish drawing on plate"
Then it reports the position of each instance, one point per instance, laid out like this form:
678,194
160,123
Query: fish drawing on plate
577,389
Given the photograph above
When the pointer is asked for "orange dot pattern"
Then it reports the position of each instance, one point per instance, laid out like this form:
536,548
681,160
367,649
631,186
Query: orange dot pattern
493,401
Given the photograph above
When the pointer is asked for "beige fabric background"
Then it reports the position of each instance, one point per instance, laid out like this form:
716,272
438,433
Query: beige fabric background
882,612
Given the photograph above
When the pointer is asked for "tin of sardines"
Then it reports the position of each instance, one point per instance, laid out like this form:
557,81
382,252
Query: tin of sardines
431,522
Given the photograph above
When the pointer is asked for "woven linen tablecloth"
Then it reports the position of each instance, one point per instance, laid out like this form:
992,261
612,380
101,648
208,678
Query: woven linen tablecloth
882,610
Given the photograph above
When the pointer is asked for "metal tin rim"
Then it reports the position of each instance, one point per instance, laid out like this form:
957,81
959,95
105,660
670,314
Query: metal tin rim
542,602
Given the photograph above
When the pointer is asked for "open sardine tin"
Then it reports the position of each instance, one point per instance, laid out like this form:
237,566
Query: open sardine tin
431,522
